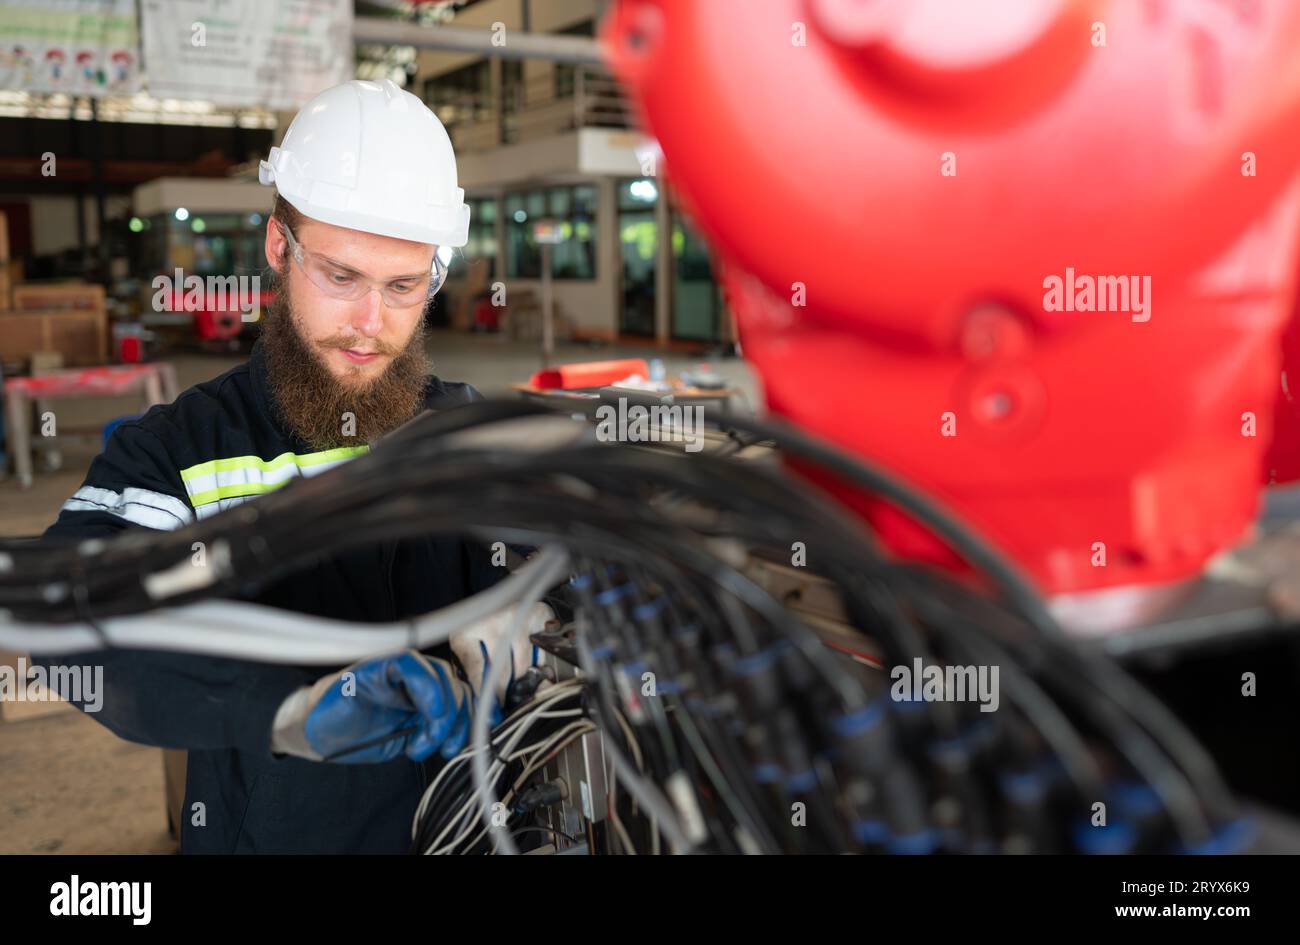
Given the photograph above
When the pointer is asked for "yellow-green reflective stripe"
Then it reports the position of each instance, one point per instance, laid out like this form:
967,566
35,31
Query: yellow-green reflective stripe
269,465
230,492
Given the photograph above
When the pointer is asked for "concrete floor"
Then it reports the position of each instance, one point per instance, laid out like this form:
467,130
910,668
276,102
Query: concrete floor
69,785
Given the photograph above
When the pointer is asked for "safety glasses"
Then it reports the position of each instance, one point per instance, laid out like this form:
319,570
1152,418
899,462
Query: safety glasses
340,282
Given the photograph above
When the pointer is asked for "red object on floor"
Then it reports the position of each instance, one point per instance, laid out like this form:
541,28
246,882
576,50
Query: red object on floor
130,350
1034,259
589,374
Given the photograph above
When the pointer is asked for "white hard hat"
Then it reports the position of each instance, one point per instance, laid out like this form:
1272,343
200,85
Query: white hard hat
370,156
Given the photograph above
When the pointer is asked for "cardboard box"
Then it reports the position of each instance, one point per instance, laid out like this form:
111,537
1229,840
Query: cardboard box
81,336
32,296
11,276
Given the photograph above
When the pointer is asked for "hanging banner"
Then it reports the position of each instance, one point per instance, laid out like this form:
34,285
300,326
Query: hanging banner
272,53
83,47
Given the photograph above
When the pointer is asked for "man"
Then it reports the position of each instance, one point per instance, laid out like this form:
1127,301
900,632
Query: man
367,207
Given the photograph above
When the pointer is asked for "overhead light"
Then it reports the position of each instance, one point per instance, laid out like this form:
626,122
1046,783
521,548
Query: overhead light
643,190
182,214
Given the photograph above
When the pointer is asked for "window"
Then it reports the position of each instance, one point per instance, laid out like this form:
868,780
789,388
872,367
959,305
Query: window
574,208
523,256
512,99
463,94
697,305
638,237
565,81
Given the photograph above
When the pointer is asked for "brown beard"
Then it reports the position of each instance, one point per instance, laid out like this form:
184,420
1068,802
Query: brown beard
314,405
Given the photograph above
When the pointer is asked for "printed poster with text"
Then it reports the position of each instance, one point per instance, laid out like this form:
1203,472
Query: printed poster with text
275,54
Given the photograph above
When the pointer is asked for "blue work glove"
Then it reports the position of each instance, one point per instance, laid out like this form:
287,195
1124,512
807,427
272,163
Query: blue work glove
408,704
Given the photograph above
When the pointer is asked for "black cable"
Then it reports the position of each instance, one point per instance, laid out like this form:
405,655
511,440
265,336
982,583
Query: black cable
763,689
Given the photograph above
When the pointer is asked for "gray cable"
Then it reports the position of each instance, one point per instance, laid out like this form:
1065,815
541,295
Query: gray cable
555,560
242,630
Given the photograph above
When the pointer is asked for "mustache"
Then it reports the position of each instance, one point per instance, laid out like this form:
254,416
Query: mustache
345,342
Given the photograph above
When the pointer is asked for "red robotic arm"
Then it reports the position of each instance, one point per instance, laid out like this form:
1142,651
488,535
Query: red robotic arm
1034,257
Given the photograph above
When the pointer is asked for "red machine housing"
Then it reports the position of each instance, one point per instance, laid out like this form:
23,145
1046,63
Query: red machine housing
891,187
217,316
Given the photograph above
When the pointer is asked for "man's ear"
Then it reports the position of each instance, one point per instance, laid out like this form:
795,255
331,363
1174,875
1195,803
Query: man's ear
275,244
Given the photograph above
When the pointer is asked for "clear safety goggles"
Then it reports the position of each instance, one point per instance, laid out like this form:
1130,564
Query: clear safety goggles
340,282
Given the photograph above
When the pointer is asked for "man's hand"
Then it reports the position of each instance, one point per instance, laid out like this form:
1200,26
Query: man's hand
477,645
377,710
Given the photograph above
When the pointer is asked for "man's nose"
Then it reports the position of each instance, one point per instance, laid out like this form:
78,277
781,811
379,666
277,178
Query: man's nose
368,316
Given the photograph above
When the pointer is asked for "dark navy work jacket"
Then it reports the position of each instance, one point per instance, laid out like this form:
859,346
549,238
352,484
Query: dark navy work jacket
220,443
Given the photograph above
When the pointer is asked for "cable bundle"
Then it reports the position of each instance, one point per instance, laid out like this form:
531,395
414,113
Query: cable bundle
447,819
727,722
